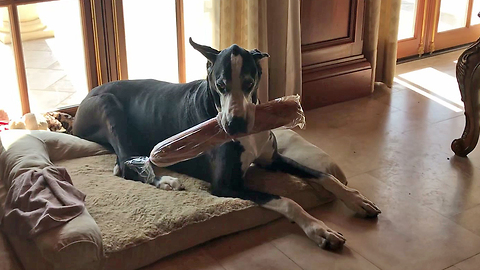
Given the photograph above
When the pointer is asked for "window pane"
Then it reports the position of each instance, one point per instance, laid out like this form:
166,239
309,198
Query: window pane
453,14
151,39
198,16
408,11
475,10
52,40
9,95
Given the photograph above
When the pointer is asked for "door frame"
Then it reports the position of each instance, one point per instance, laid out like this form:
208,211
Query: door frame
415,44
426,38
92,38
464,35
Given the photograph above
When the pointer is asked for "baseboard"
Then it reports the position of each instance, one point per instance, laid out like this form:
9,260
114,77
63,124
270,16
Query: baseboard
336,83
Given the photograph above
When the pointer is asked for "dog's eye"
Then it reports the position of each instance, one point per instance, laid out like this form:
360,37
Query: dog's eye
248,85
221,85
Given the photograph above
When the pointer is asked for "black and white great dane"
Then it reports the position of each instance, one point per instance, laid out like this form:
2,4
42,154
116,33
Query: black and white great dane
132,116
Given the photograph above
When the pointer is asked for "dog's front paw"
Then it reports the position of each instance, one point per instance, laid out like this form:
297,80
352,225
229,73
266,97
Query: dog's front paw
325,237
169,183
360,204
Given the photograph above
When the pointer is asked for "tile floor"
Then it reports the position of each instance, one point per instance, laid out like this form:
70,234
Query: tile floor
395,148
49,84
55,66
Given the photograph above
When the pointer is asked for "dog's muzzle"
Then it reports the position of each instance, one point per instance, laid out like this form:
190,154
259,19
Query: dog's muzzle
235,123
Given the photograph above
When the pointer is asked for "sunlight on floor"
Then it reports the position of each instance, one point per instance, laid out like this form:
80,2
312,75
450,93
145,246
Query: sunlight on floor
427,95
438,84
435,81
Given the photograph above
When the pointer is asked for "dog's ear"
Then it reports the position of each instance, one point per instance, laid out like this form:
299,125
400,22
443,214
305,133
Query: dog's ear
258,55
208,52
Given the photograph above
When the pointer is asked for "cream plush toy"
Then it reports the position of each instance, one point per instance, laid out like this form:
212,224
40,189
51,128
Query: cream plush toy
30,121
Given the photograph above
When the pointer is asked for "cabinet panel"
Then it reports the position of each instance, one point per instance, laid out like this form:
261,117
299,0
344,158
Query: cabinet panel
334,68
318,27
331,30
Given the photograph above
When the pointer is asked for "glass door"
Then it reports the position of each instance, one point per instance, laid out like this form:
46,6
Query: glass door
431,25
411,30
153,38
48,57
457,23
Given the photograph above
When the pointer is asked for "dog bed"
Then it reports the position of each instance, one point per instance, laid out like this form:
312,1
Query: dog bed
129,224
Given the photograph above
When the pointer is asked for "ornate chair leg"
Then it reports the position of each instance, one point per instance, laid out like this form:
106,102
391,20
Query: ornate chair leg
468,78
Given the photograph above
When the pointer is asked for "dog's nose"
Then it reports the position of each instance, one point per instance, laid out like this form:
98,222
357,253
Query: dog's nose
237,125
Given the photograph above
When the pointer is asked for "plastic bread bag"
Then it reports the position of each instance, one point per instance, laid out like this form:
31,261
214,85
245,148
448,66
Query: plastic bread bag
143,167
283,112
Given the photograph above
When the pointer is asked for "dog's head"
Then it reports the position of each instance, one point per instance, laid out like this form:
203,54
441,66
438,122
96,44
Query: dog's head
233,76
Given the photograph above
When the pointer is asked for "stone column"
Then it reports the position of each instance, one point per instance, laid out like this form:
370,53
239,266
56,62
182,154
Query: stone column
31,27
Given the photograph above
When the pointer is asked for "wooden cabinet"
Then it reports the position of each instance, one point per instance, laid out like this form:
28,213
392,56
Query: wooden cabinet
333,66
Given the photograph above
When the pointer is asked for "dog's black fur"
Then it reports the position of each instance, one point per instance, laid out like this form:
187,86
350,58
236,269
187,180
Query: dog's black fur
132,116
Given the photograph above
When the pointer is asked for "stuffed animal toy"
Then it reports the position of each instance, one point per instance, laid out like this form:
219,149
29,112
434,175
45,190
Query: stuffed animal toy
30,121
59,122
52,121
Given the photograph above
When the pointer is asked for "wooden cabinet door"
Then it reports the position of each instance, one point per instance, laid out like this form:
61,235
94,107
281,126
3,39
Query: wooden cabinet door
333,66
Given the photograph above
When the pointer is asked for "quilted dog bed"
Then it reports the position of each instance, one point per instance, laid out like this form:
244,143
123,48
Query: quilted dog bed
140,224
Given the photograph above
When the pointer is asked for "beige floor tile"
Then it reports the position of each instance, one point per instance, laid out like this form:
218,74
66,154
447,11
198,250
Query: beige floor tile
453,129
443,62
56,66
309,256
440,136
362,152
405,236
252,249
328,123
62,85
437,184
192,259
262,256
41,101
39,59
229,248
470,264
361,139
346,118
36,45
453,267
469,219
423,108
39,79
75,99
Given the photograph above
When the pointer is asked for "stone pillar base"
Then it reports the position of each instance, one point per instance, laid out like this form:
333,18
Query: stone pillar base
31,27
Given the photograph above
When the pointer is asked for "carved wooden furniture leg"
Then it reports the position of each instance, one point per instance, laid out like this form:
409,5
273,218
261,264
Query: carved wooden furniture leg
468,78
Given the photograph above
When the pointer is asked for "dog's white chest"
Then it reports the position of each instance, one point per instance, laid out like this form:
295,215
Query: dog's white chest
256,146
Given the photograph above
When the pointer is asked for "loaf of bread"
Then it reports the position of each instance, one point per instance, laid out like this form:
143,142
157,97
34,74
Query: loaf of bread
283,112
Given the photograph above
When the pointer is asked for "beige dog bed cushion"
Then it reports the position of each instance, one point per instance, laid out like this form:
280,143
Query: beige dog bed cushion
140,224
